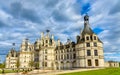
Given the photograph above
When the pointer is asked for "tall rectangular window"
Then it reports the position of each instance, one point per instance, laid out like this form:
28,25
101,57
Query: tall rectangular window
70,56
45,64
95,52
94,37
45,57
88,44
67,56
62,57
46,41
96,62
89,62
95,44
46,51
56,57
74,56
88,53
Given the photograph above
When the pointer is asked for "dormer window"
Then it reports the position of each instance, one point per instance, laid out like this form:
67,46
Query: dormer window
46,41
87,38
94,37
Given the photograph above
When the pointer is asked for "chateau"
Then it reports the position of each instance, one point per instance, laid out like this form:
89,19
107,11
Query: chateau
47,53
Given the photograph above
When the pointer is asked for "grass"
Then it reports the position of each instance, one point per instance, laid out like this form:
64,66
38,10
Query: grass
9,71
107,71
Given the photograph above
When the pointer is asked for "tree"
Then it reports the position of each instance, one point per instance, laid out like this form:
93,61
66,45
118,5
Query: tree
17,64
37,65
119,64
2,65
31,63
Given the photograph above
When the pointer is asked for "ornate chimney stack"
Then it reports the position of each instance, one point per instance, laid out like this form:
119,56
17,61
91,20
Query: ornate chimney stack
42,34
52,37
58,42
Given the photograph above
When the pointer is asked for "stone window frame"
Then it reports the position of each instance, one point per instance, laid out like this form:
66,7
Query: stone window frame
89,61
88,52
95,44
87,38
46,51
95,38
96,52
96,62
45,57
87,44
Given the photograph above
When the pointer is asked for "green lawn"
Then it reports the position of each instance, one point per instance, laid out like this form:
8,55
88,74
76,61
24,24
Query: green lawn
7,71
10,71
107,71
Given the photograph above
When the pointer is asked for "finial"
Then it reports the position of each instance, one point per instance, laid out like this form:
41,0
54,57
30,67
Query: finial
26,39
86,17
47,31
13,44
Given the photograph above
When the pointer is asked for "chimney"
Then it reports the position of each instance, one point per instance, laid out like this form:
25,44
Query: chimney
52,37
42,34
58,42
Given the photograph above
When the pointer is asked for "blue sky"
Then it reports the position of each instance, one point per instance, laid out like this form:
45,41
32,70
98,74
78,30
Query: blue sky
20,19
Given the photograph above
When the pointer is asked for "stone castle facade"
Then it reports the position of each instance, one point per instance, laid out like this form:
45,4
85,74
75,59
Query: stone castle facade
47,53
